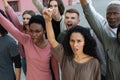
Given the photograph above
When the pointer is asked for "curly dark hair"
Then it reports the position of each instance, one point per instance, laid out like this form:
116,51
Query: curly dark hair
90,43
61,6
3,31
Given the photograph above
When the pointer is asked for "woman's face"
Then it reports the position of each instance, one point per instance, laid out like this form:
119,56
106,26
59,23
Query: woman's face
54,6
36,33
26,18
77,42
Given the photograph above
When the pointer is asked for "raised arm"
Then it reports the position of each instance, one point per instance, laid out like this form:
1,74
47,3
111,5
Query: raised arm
12,15
96,21
20,36
38,5
49,29
56,49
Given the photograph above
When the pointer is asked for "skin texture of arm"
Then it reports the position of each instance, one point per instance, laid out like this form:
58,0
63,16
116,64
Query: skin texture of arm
17,73
38,5
12,15
49,29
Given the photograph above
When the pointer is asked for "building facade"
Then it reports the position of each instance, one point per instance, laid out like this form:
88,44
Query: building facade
21,5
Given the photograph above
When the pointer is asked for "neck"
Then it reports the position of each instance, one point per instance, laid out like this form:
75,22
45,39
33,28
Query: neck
82,59
80,56
80,53
42,43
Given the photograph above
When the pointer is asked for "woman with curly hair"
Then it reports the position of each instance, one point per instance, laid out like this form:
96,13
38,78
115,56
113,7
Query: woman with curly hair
77,55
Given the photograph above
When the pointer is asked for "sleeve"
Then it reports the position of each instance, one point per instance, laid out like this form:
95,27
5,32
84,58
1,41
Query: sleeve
13,48
97,23
58,52
97,72
17,61
20,36
13,17
14,53
55,67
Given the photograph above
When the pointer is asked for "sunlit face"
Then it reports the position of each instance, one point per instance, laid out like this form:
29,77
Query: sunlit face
77,42
54,6
71,19
36,32
113,15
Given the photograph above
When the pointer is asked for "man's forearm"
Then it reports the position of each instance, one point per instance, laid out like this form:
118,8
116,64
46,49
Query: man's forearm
18,73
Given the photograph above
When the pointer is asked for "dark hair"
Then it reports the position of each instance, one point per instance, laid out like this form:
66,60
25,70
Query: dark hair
2,30
30,12
72,11
61,7
90,44
37,19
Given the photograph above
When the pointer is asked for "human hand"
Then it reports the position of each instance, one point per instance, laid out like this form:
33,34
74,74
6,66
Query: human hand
84,2
5,3
47,14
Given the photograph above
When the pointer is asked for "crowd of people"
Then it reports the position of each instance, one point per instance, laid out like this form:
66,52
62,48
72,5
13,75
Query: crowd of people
53,45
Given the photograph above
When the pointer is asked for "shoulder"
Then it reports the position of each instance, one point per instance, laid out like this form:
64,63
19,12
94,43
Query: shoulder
10,41
58,48
9,38
95,62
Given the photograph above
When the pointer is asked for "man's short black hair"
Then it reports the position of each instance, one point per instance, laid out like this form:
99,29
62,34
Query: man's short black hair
37,19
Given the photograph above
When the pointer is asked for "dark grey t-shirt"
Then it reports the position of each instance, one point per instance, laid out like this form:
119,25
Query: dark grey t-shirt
8,49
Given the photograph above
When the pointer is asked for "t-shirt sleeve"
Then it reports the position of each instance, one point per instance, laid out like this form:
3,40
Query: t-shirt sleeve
97,75
13,49
58,52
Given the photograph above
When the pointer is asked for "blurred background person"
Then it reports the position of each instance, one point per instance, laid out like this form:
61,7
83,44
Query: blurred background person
9,54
